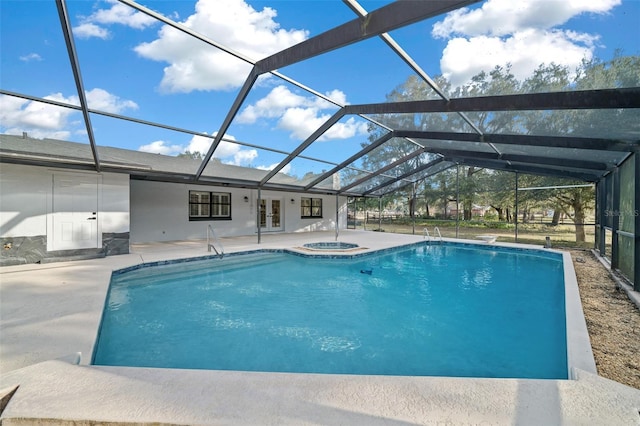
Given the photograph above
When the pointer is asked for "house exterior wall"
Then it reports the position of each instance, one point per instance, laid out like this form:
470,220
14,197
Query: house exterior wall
159,212
26,194
25,213
133,211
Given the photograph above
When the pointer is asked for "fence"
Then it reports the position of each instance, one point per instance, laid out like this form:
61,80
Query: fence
534,231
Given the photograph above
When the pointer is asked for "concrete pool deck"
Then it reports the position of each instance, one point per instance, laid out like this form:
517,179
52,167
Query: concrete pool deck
51,312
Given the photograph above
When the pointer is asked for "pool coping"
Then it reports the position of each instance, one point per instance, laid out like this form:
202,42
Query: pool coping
579,351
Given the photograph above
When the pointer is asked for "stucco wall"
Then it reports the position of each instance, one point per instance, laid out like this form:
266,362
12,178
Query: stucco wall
26,193
159,212
26,205
114,205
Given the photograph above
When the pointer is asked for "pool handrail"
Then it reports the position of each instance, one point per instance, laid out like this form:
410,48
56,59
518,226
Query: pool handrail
436,230
212,238
427,236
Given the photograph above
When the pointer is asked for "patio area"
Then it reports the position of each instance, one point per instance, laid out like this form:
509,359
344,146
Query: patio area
50,315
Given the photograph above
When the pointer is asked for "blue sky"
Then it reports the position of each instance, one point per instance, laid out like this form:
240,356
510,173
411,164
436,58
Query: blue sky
133,65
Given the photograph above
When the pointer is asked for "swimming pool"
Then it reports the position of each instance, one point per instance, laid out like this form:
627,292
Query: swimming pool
426,310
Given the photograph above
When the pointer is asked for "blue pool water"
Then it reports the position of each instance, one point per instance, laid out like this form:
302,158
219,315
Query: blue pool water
425,310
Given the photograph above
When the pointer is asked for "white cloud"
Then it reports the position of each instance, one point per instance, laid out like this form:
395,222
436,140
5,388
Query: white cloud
161,147
335,95
525,51
122,14
243,157
232,153
199,144
346,130
224,150
503,17
300,115
286,169
42,120
118,13
31,57
88,30
273,105
301,122
104,101
227,152
39,120
194,65
522,33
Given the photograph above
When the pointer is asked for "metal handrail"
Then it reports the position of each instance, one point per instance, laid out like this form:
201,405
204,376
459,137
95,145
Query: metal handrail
437,230
427,236
212,238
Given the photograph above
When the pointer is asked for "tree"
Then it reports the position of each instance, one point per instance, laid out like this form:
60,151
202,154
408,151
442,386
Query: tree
430,193
621,71
469,186
498,192
575,202
195,155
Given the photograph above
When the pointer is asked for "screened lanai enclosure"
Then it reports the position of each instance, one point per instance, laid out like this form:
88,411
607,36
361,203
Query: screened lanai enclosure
405,127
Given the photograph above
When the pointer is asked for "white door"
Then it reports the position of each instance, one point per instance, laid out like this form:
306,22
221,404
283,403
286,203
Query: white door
271,214
75,212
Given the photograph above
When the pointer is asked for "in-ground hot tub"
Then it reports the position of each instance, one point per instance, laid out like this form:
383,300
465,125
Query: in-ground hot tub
331,245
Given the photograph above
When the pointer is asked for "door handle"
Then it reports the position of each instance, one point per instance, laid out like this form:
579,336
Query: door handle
91,218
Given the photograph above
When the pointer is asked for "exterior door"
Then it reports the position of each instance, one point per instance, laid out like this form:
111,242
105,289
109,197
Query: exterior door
271,214
75,212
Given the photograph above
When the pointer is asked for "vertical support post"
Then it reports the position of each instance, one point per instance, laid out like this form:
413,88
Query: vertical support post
337,217
413,209
364,213
258,214
379,214
636,223
615,247
601,206
515,214
457,199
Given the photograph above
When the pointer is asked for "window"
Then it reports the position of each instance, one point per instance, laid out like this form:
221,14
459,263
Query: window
204,205
311,207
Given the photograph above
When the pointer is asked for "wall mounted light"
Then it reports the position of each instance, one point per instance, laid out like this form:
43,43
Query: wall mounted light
246,199
293,201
